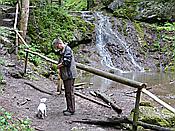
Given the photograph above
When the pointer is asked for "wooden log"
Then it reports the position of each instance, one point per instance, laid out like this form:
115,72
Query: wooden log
111,76
15,24
21,39
80,84
119,121
42,56
60,83
37,88
158,100
136,110
77,85
93,93
106,99
91,99
26,60
153,127
104,74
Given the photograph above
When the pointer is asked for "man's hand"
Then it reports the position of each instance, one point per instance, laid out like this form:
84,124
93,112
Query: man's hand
60,65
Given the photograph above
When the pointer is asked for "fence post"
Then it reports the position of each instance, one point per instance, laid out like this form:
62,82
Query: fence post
26,59
136,110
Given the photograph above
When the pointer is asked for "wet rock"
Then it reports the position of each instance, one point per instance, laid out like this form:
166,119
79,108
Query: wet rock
10,64
115,4
3,82
16,73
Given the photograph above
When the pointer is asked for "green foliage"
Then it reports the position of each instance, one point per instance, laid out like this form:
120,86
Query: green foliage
5,34
50,22
7,2
128,10
106,2
1,78
8,123
75,5
167,27
2,62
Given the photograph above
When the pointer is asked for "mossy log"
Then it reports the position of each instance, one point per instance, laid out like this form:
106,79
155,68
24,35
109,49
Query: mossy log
119,121
153,127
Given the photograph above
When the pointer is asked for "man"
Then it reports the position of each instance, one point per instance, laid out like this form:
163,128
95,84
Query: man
68,73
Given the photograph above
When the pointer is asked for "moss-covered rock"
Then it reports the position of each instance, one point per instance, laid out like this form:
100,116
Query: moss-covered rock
156,116
149,11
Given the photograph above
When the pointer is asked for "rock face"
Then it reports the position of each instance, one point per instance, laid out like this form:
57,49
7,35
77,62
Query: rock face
149,11
119,45
116,4
153,10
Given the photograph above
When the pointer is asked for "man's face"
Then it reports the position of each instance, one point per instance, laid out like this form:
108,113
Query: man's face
58,46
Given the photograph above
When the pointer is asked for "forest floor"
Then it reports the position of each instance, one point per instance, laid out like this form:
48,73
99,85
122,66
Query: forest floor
22,100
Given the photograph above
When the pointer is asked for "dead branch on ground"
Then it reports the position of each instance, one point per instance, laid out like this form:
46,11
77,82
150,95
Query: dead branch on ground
106,99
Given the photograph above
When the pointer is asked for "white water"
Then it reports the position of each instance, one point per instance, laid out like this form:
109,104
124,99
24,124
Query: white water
104,33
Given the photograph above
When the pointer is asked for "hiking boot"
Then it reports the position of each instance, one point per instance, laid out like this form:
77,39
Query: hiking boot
65,110
68,113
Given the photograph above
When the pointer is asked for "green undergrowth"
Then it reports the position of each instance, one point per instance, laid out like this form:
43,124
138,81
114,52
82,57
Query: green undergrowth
165,44
49,22
7,2
158,38
9,123
75,5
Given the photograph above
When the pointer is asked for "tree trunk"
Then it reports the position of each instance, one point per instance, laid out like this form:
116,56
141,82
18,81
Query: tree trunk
60,2
90,3
24,17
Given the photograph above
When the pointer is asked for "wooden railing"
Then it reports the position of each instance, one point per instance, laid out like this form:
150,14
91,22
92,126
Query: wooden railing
141,87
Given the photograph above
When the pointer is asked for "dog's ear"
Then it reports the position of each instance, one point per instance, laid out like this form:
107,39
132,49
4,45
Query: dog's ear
43,99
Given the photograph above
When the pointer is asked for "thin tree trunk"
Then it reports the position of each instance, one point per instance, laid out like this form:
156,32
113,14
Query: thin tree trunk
90,4
24,17
60,2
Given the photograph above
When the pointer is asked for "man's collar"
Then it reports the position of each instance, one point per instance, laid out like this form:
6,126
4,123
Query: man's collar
64,48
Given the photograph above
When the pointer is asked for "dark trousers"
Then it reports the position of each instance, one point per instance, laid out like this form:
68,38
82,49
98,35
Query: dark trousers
69,94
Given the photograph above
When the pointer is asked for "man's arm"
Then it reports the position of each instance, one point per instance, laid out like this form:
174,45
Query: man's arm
67,58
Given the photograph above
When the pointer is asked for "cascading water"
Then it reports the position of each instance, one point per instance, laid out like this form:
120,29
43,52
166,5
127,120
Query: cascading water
118,44
101,38
104,35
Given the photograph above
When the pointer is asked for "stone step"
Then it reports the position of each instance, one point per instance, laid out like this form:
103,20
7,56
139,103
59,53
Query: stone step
7,22
10,15
7,9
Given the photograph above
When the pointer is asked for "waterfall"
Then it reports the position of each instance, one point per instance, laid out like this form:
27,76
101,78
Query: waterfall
104,35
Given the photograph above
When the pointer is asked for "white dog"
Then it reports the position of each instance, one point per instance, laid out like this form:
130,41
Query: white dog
42,108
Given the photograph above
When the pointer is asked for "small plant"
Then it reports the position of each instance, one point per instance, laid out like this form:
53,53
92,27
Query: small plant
8,123
7,2
76,5
2,62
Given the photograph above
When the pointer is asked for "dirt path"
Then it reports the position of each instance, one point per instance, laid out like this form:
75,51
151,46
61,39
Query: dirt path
17,93
22,100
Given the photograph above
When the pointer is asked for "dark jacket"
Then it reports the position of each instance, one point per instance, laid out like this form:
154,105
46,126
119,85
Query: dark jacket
68,70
